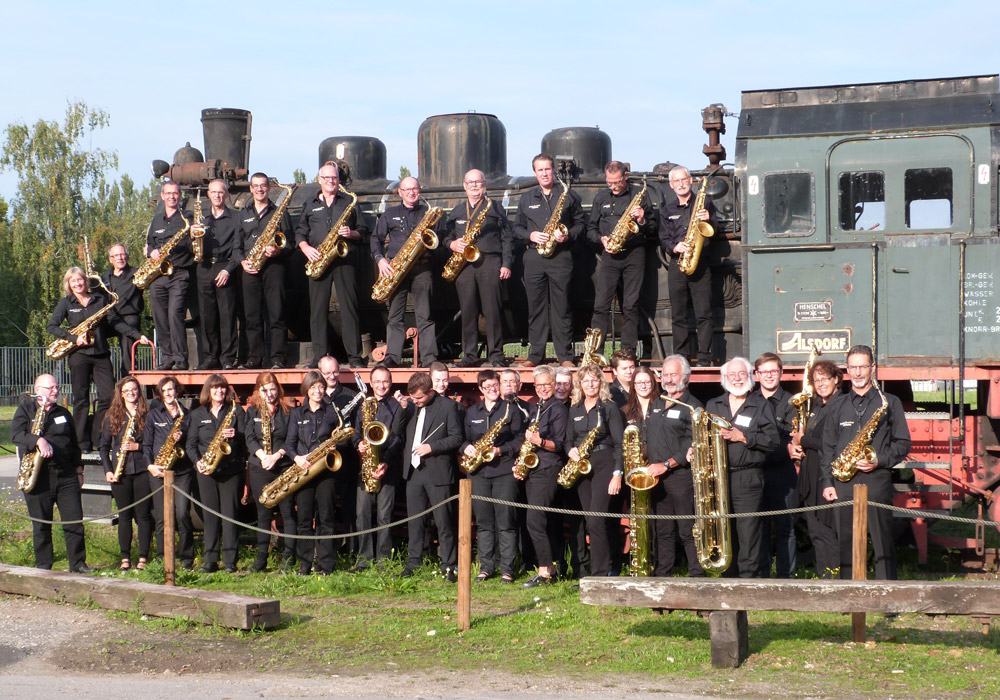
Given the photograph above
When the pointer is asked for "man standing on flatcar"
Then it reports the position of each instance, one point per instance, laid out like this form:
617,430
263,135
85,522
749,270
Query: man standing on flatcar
687,290
627,267
217,283
168,292
850,414
119,279
317,219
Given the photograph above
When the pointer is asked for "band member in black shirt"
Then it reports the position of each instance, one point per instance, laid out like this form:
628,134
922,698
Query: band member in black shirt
118,279
167,293
217,279
623,363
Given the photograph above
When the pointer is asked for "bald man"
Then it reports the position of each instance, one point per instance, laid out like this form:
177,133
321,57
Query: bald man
318,217
119,279
391,233
478,284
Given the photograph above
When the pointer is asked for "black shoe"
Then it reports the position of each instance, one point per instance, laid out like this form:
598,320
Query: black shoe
467,362
305,570
391,364
230,568
164,366
209,567
187,565
450,575
537,580
250,364
228,366
180,366
208,365
406,573
277,365
357,364
259,564
498,362
83,569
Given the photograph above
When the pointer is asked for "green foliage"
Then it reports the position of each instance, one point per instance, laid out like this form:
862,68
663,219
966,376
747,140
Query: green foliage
299,176
404,172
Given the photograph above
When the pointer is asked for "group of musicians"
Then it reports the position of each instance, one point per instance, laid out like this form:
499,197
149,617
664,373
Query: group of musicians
573,434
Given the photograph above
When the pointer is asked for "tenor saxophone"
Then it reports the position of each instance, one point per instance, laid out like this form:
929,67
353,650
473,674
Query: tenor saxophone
575,468
554,224
333,246
484,446
219,447
860,447
324,457
422,238
270,235
170,451
198,231
151,269
802,401
471,252
626,226
374,434
641,482
31,462
697,232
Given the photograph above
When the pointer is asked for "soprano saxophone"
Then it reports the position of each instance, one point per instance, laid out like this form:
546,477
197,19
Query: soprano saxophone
575,468
697,232
333,246
127,436
219,447
641,482
170,451
270,236
324,457
31,461
198,231
626,226
421,238
860,447
484,446
554,224
471,252
151,269
374,434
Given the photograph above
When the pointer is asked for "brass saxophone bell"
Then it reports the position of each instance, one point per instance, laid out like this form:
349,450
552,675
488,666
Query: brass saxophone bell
341,249
429,240
530,461
375,433
471,253
584,467
225,448
334,461
166,268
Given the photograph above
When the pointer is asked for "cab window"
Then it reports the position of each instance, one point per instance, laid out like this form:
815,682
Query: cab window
862,201
789,204
929,196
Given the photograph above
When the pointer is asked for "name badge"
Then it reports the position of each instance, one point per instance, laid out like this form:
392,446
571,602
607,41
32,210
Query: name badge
59,420
846,423
578,418
673,413
743,421
534,206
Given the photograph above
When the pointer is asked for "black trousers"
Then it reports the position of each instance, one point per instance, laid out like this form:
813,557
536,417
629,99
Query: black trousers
421,495
259,478
579,554
540,489
218,314
479,284
134,321
419,283
166,300
56,487
822,528
343,273
133,487
695,290
674,495
379,546
605,533
746,490
266,290
879,523
317,499
183,480
547,283
625,269
220,492
495,524
780,492
82,369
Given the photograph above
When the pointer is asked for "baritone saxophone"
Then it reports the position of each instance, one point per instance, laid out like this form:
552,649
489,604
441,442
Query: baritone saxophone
324,457
420,239
374,434
641,482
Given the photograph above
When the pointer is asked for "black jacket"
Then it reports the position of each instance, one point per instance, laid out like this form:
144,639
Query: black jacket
110,449
203,427
255,436
580,422
608,208
534,211
57,429
848,415
495,237
442,430
755,419
668,433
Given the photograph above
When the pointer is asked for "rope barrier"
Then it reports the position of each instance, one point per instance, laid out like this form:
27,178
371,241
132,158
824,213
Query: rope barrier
82,521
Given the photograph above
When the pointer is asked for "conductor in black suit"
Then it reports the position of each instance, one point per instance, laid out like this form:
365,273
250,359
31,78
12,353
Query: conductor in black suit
433,435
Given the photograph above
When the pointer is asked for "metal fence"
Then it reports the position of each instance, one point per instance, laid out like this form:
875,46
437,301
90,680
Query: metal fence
20,366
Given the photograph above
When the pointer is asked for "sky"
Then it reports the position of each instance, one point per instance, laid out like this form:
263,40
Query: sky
641,71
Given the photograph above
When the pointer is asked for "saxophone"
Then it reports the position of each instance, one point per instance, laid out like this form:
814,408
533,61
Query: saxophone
325,456
860,447
198,231
484,446
802,401
151,269
61,347
710,474
270,235
422,238
554,224
641,482
219,447
31,462
471,252
127,436
697,232
526,457
374,434
170,451
333,246
593,342
575,468
626,226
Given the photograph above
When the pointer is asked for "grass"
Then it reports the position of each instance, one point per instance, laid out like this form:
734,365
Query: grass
6,416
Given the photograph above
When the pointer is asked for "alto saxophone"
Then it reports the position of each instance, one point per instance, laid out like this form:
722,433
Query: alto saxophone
626,226
860,447
198,231
484,446
422,238
333,246
151,269
374,434
554,224
641,482
575,468
31,462
802,401
270,235
471,252
697,232
61,347
170,451
593,342
127,436
325,456
219,447
527,459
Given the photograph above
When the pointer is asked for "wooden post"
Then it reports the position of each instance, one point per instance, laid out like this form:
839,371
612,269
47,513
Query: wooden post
859,554
464,554
168,527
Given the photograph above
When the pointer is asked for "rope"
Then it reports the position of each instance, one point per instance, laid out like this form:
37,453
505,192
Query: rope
82,521
914,513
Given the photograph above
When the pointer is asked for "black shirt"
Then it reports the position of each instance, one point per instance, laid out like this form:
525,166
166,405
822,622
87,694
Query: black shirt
161,229
57,429
552,418
495,236
535,209
221,234
255,437
784,412
111,445
581,422
252,223
478,420
668,432
159,423
608,209
394,228
848,415
317,219
674,220
307,429
391,415
202,428
341,398
69,308
755,419
129,296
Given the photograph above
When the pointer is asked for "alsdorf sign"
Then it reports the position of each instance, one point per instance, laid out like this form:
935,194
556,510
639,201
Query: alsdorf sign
802,342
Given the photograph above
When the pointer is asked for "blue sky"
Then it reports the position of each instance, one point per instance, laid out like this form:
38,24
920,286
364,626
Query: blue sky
642,71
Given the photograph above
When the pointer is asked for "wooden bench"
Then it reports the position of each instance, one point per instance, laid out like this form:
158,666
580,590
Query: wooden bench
730,599
204,607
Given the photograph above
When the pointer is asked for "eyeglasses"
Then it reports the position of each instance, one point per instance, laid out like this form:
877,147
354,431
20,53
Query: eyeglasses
858,368
490,387
736,375
474,183
130,390
619,181
680,180
409,189
768,372
642,382
821,379
258,187
330,178
118,255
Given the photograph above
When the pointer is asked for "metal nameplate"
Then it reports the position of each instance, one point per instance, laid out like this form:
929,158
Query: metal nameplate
813,311
802,342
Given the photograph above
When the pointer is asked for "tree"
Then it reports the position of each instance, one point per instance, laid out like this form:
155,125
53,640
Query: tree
300,176
404,172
